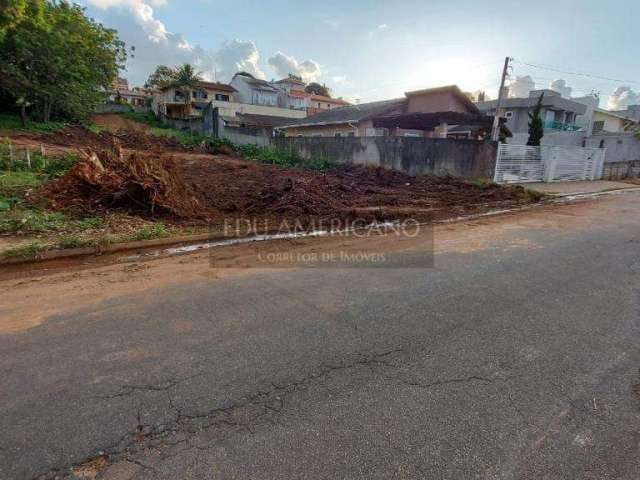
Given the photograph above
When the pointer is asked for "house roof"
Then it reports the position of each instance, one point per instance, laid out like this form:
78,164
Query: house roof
291,80
452,89
261,84
223,87
262,120
617,115
298,94
217,86
349,113
427,121
322,98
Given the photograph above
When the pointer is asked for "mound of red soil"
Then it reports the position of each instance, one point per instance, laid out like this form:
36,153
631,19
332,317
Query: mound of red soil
108,179
229,187
82,138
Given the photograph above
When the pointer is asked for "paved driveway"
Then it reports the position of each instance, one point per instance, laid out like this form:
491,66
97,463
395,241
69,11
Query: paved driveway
516,356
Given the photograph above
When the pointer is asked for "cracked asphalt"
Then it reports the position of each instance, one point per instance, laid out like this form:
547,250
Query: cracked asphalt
515,357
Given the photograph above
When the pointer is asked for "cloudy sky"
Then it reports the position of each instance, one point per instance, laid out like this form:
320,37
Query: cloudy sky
374,50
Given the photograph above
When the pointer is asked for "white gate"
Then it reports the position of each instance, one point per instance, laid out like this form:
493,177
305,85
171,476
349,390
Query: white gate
521,164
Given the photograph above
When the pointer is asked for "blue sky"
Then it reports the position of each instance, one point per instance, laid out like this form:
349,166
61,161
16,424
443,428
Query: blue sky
379,49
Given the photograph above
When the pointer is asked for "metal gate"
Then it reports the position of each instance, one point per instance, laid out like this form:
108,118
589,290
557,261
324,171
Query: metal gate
522,164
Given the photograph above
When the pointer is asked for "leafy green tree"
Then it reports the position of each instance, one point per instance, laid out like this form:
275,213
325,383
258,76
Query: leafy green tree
160,78
317,89
536,128
58,61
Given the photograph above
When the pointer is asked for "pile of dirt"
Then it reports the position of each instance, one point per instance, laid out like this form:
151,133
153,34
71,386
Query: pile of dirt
82,138
229,187
108,179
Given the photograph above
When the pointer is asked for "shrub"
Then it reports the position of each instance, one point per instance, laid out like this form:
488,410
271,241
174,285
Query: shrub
148,232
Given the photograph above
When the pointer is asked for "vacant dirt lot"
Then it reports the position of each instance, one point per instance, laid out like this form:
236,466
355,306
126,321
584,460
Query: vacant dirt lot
226,186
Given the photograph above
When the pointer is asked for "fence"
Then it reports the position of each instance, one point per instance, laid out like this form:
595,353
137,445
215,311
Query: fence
522,163
415,156
621,170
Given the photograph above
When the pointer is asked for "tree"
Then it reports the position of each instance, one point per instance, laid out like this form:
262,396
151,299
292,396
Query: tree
160,78
186,79
57,61
536,128
317,89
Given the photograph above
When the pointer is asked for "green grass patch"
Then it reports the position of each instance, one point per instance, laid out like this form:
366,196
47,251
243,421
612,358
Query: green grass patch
11,181
26,220
159,129
534,195
149,232
284,158
10,121
73,241
30,250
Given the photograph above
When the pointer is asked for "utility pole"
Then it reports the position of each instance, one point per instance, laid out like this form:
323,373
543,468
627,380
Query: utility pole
495,131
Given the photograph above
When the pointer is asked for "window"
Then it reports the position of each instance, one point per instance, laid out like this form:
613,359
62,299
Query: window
338,134
316,134
598,126
200,94
508,114
179,96
222,97
351,134
376,132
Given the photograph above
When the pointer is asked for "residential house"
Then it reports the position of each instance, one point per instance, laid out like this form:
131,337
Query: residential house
320,103
172,101
121,92
423,113
632,111
558,114
292,94
254,91
604,121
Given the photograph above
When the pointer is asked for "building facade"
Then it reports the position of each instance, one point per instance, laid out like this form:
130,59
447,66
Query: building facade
428,113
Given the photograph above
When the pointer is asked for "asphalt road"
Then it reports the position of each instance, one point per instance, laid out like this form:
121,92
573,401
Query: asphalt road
515,357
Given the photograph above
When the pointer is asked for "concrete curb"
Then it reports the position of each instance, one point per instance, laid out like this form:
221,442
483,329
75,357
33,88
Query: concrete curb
204,237
116,247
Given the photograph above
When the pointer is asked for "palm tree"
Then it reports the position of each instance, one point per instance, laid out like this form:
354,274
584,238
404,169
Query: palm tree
186,79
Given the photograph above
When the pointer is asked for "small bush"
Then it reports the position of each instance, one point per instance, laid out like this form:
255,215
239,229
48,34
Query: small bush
25,251
149,232
73,241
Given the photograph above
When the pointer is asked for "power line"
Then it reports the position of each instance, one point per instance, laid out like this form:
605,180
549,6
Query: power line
566,72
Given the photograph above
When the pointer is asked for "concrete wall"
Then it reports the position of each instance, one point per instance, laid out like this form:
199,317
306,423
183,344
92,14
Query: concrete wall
620,170
246,136
624,147
435,102
460,158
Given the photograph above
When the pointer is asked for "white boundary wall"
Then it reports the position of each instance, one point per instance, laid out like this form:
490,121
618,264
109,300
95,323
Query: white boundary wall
522,163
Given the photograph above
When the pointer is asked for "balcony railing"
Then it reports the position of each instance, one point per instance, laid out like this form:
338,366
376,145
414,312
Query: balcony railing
565,127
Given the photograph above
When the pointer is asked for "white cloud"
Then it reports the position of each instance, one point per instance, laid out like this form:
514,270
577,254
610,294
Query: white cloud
155,44
559,85
142,11
622,97
283,65
339,79
383,26
238,55
521,86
